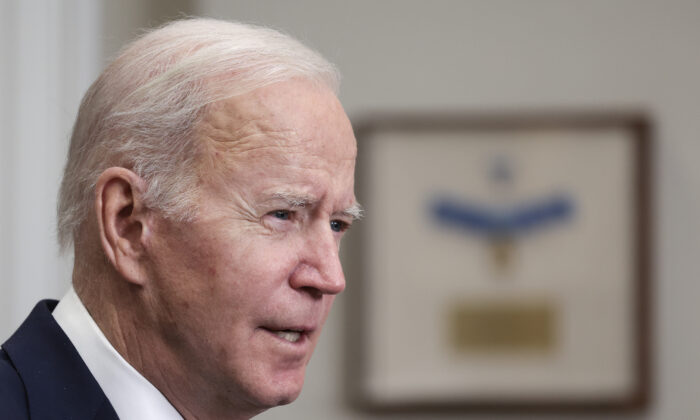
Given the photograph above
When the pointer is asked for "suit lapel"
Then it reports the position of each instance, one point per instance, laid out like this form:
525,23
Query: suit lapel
58,383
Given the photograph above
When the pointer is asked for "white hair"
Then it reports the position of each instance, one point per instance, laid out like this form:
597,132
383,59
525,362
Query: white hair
142,111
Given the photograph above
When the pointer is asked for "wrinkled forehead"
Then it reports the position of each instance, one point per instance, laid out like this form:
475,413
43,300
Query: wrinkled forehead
293,125
280,119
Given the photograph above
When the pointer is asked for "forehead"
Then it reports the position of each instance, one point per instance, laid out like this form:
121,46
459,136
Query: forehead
295,125
282,115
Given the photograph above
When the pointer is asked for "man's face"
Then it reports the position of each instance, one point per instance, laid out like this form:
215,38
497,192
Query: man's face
241,293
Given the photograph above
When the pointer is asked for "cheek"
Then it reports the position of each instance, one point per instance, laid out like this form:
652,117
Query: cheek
247,277
263,257
232,272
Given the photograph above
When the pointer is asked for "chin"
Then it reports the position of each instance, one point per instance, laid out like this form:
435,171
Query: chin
287,399
288,393
276,398
282,391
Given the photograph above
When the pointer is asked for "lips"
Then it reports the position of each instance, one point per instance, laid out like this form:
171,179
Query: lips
289,334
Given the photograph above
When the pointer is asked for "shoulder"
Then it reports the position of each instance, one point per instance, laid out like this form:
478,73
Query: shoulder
13,397
42,375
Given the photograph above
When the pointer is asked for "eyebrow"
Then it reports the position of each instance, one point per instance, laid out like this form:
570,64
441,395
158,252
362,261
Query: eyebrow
294,200
355,211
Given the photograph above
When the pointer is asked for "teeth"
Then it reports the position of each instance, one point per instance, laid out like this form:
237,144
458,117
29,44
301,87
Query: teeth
291,336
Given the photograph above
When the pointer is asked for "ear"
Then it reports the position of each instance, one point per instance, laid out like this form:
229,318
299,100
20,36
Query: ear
122,221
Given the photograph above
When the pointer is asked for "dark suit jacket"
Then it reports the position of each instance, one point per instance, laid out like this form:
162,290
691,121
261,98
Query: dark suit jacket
42,376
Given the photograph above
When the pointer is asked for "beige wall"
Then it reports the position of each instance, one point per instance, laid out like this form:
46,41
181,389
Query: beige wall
124,19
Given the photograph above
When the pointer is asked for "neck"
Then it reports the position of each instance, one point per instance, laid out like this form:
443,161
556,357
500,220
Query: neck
123,312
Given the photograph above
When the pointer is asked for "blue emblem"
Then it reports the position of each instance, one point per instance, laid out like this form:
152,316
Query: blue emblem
500,225
491,221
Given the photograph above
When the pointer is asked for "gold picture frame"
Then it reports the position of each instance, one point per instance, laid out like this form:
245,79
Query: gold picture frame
504,263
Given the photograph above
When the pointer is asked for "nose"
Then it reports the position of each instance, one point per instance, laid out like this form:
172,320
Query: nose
319,271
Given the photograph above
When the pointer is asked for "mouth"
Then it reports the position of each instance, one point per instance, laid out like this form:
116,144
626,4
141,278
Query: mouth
289,335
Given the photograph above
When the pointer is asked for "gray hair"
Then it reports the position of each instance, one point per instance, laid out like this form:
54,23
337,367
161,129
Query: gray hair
141,113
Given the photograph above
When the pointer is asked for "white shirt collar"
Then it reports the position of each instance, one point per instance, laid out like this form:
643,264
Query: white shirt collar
131,395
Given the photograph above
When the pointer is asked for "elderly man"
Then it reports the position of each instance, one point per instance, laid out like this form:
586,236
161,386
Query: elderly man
208,184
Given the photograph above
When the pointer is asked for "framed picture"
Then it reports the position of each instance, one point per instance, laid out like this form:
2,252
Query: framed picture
504,263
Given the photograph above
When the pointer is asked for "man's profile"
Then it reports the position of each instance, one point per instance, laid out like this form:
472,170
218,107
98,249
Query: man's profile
209,181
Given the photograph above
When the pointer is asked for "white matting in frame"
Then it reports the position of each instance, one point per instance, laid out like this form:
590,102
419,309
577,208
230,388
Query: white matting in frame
501,263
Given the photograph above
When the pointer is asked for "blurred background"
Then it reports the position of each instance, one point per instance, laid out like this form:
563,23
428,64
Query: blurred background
438,56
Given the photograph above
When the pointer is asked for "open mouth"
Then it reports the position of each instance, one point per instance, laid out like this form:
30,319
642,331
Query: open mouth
289,335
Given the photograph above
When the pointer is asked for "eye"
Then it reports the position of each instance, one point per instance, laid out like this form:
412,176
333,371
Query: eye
339,226
282,214
281,220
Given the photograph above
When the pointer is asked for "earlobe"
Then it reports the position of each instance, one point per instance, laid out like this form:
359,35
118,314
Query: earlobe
122,221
